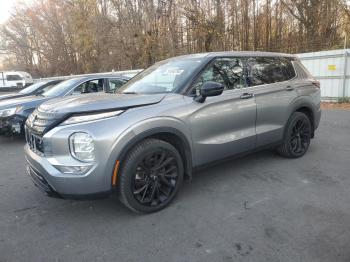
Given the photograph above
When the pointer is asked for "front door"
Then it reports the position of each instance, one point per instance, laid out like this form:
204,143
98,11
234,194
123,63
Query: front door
224,125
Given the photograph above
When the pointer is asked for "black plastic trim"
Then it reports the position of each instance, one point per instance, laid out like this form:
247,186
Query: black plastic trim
158,130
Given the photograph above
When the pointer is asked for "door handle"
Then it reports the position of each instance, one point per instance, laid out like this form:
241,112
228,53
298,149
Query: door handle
247,96
289,88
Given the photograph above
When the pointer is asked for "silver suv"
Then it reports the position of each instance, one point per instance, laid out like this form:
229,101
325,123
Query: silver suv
172,118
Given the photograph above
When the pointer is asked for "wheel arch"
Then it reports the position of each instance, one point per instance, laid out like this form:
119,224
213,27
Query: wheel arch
167,134
306,108
309,113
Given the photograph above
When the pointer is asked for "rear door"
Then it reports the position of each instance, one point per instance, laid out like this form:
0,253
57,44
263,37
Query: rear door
223,125
271,80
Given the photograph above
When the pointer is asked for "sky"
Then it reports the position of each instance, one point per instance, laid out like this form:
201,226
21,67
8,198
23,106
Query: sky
5,9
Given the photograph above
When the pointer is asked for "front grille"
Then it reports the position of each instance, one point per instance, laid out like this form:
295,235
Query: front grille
39,122
34,141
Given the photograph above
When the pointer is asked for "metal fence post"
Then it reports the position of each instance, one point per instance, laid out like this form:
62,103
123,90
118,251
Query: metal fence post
345,71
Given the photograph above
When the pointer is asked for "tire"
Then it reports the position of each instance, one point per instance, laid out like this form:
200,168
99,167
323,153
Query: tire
150,177
297,136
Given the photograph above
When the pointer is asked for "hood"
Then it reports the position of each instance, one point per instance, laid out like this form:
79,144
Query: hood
22,101
98,102
10,96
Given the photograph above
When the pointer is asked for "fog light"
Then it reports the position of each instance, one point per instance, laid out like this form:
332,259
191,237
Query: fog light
82,147
74,170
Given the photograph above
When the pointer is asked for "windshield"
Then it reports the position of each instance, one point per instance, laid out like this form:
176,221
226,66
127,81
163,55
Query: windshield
62,88
32,88
163,77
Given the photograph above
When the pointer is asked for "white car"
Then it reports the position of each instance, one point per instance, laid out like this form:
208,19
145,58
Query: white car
15,79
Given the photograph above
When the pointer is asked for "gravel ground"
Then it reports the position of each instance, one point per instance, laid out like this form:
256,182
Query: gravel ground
257,208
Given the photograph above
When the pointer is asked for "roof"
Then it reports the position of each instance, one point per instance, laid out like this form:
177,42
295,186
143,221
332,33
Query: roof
235,54
101,76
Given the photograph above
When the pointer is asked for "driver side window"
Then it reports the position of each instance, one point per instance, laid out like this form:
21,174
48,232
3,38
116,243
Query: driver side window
226,71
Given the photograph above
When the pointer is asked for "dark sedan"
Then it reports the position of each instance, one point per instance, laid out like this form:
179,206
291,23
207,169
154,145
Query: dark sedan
14,112
34,89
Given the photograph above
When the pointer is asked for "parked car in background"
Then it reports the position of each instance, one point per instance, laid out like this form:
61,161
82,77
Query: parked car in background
178,115
14,112
34,89
15,79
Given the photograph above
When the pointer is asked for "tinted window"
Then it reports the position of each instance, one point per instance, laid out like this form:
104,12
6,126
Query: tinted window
48,87
61,88
226,71
288,68
115,84
92,86
268,70
32,88
13,77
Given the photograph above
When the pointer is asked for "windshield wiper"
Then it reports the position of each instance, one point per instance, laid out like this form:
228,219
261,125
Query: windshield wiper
129,93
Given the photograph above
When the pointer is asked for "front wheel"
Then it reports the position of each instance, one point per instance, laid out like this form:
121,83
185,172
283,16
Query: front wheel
151,176
297,136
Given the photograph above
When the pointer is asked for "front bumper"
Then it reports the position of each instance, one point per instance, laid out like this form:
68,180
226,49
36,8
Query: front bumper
12,124
56,184
40,182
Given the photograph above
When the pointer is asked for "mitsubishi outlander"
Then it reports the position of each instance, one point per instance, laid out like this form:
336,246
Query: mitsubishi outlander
169,120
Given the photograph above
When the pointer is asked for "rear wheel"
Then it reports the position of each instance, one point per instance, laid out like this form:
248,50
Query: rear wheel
297,136
151,176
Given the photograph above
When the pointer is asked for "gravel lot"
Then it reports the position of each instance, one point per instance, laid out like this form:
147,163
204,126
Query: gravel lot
258,208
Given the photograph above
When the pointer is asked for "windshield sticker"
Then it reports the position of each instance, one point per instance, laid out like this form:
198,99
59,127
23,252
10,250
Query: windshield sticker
173,71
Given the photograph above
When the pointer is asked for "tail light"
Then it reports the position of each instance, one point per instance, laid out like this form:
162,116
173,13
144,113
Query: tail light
316,83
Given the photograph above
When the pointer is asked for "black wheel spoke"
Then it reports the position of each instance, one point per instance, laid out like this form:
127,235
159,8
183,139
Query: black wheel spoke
164,181
161,158
144,195
140,190
153,193
167,161
155,178
300,136
171,169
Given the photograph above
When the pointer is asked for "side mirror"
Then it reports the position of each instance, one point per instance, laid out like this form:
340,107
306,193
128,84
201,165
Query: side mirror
209,88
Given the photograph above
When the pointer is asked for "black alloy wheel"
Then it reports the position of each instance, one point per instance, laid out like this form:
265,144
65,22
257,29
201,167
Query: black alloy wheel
300,137
297,136
155,177
151,175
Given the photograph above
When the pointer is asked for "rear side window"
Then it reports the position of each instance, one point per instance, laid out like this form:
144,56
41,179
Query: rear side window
287,67
115,84
13,78
269,70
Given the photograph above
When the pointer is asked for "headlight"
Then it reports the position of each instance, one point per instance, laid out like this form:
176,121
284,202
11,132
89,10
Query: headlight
91,117
82,147
8,112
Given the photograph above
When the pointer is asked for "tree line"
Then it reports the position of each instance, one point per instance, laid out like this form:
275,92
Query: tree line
50,37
